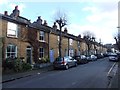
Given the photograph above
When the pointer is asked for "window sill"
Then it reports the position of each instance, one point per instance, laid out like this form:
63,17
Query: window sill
12,37
42,41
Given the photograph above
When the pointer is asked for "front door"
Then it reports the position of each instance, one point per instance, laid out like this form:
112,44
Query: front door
51,55
29,55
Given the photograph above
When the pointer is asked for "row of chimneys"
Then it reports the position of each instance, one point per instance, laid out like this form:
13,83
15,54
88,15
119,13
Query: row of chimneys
16,13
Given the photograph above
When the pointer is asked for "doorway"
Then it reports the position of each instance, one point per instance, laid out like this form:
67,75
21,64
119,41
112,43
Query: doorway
29,54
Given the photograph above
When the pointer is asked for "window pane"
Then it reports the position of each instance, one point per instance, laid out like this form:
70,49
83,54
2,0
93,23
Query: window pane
12,29
41,52
41,37
41,33
8,48
11,32
13,49
12,26
8,55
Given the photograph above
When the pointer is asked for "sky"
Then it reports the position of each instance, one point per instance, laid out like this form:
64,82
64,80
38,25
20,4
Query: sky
97,16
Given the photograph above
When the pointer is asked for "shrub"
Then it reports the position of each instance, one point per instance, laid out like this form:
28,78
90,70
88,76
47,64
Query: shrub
26,66
18,65
9,63
47,59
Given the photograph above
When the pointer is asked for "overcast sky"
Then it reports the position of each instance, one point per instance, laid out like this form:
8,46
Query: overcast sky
97,16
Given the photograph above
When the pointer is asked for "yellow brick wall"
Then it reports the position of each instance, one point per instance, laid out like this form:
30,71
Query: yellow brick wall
53,44
75,44
64,46
83,47
21,46
3,28
19,42
0,28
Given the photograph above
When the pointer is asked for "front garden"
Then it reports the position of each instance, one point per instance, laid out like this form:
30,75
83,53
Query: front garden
15,65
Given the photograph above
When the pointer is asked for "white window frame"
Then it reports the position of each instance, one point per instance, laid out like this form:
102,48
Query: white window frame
11,52
42,34
41,54
12,30
58,39
70,41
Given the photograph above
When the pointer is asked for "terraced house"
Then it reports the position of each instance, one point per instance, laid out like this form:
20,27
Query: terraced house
33,41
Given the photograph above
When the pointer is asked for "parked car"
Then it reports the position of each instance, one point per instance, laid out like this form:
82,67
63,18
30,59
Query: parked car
91,57
64,62
113,57
81,59
99,55
105,54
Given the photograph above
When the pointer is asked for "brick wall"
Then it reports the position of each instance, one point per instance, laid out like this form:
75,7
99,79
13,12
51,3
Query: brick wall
53,39
64,46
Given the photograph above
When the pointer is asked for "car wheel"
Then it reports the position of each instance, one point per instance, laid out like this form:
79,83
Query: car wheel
66,66
75,64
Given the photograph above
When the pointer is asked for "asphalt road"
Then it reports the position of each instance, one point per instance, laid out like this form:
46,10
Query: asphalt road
90,75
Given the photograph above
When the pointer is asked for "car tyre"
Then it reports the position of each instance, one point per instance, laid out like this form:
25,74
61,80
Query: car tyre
75,64
66,66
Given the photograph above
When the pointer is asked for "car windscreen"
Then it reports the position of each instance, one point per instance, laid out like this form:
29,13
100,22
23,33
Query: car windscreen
58,59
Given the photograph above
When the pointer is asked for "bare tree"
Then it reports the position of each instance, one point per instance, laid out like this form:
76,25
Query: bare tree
89,38
117,39
61,20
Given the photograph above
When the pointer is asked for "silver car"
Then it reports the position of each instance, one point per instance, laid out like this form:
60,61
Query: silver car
64,62
91,58
113,57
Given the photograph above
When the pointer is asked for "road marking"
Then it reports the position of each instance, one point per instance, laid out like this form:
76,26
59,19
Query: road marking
111,69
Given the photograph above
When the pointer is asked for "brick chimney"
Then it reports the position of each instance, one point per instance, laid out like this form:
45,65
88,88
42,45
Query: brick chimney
5,13
45,23
39,20
65,30
79,36
15,12
55,26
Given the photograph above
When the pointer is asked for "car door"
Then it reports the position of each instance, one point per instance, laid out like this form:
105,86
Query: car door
70,61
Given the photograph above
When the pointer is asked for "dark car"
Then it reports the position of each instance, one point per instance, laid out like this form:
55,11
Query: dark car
64,62
81,59
99,55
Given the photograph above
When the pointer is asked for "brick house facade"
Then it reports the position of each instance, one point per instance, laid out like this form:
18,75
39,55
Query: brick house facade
32,41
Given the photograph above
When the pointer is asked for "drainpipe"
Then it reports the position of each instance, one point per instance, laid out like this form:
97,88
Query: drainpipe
68,46
48,44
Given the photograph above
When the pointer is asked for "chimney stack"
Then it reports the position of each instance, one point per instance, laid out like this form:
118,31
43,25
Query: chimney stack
6,13
15,12
65,30
45,23
39,20
55,26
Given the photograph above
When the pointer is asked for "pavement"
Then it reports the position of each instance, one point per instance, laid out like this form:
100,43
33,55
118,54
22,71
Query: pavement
114,76
15,76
